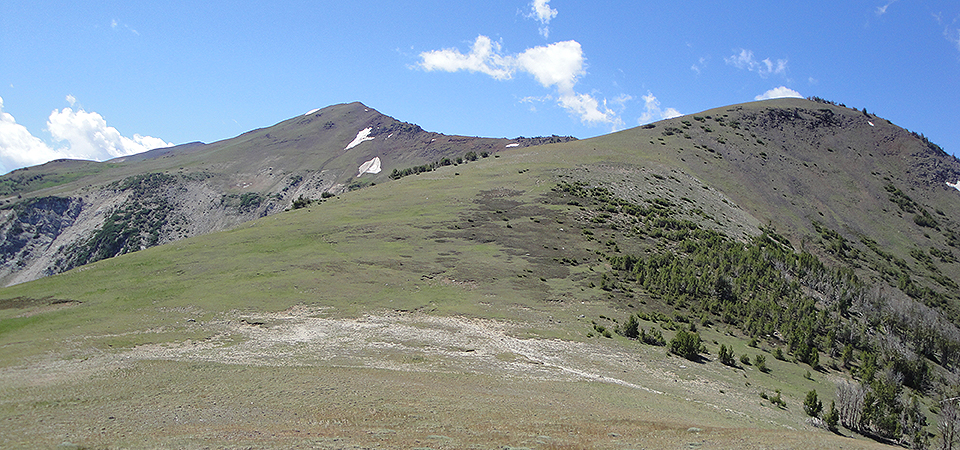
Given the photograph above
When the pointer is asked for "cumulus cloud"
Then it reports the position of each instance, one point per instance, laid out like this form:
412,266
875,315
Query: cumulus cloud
81,134
778,92
484,57
19,148
653,112
765,67
89,137
558,66
543,13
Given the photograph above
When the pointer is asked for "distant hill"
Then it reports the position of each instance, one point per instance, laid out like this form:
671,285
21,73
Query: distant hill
719,279
67,213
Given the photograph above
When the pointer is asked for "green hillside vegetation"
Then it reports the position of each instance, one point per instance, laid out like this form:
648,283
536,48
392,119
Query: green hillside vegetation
754,275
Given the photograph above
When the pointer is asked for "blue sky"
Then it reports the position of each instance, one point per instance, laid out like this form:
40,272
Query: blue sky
101,79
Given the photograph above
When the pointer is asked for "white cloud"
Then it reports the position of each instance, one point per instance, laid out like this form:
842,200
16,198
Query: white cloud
778,92
19,148
589,109
484,57
881,10
652,111
765,67
89,137
541,10
114,24
701,63
952,35
558,65
622,99
86,134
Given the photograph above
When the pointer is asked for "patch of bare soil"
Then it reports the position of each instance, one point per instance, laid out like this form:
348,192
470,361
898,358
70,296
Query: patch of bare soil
300,379
392,341
34,306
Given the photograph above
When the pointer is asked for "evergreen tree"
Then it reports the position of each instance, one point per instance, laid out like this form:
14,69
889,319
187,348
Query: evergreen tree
812,405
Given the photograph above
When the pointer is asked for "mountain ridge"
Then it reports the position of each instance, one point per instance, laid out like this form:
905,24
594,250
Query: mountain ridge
198,188
608,280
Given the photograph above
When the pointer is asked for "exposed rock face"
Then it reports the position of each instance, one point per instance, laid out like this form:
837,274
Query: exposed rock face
30,229
49,235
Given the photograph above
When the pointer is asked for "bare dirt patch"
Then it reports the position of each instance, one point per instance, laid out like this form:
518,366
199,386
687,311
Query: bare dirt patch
302,378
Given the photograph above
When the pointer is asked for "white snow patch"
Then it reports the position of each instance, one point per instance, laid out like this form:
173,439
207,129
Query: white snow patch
372,166
362,135
515,144
871,123
312,111
954,185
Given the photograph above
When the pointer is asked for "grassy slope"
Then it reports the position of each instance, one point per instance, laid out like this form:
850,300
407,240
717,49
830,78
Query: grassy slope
408,246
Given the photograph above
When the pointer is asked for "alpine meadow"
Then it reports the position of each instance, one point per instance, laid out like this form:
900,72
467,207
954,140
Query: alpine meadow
775,274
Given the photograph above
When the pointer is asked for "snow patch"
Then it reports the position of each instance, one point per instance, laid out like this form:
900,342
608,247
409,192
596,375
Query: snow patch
372,166
312,111
954,185
515,144
362,135
871,123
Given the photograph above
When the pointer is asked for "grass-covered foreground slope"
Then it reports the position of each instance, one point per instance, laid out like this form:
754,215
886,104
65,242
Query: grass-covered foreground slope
501,303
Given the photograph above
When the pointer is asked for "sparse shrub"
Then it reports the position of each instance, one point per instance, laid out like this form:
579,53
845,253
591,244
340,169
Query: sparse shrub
726,356
777,400
778,353
687,345
631,328
653,337
924,219
301,202
745,359
761,362
327,195
602,330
